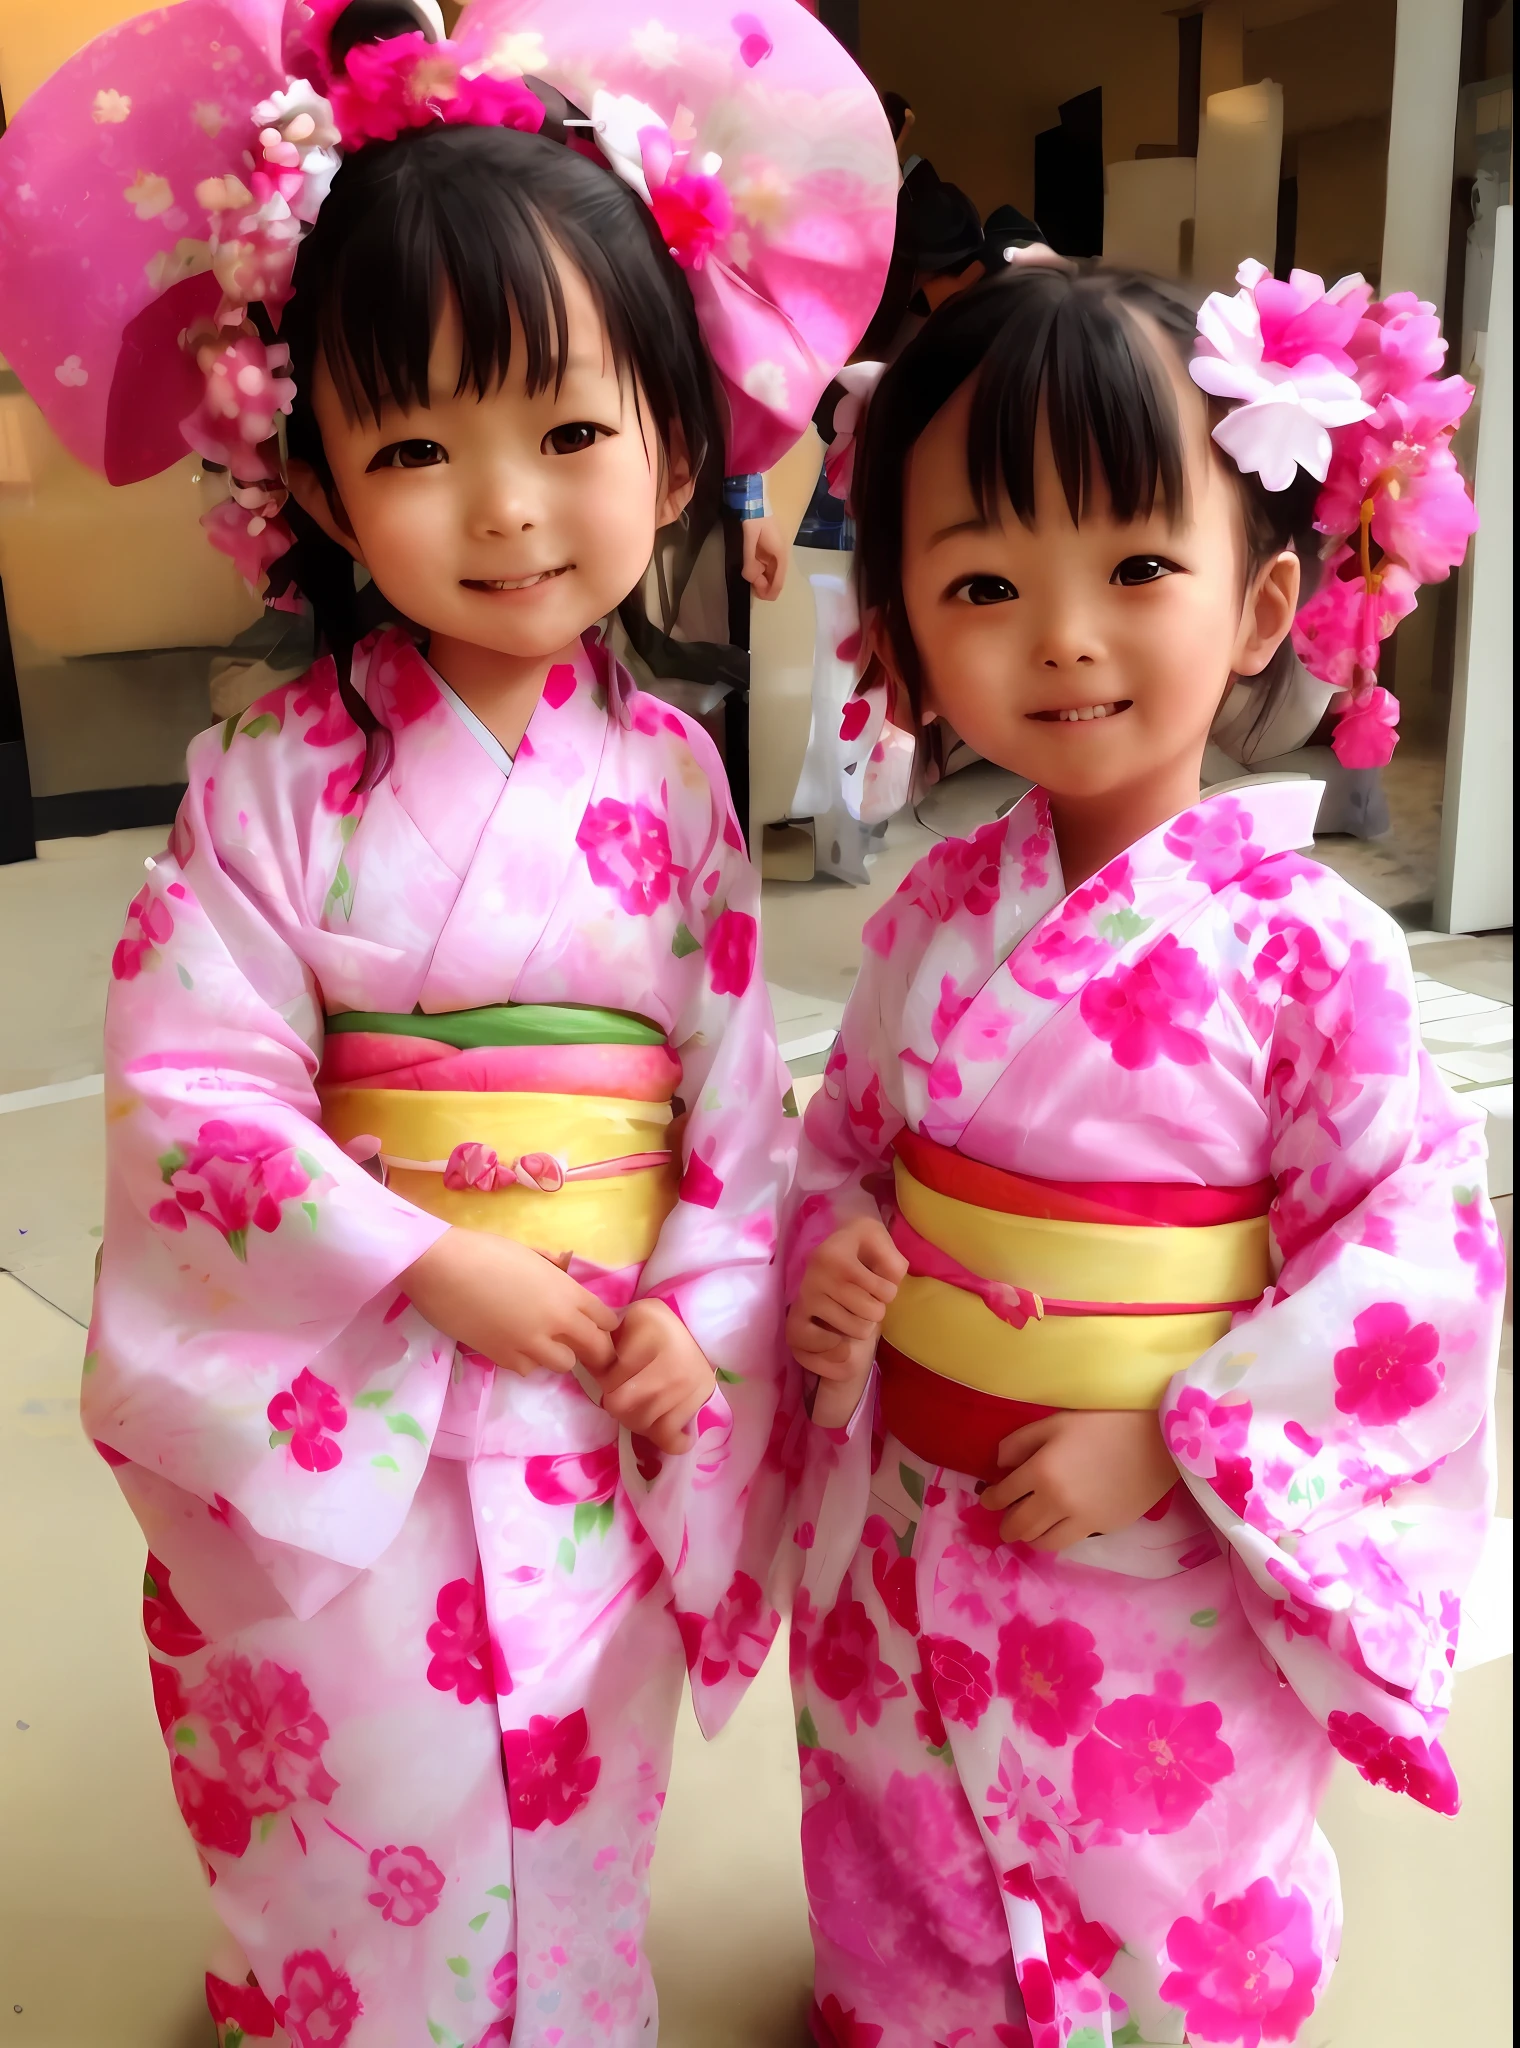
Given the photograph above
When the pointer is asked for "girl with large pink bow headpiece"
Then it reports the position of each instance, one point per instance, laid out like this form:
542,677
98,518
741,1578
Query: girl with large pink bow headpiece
434,1345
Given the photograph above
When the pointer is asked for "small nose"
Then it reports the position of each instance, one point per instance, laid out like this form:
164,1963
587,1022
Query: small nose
1068,638
506,503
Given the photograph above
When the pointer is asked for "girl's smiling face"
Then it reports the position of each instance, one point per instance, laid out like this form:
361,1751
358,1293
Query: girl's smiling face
1088,657
509,522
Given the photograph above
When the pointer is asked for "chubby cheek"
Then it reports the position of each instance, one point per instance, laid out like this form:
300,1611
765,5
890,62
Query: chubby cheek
408,550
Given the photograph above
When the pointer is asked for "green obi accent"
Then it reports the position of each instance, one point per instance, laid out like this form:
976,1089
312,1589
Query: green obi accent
508,1024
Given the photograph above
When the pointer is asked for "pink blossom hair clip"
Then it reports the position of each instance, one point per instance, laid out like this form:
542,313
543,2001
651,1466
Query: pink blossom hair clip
1346,388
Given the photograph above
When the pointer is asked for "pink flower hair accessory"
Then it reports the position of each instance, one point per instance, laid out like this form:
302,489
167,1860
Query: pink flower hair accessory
1349,390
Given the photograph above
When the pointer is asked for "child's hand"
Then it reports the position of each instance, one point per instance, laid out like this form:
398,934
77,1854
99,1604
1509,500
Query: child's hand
659,1378
832,1328
510,1304
1083,1472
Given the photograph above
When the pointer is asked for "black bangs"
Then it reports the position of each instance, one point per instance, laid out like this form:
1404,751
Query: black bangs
1064,345
477,217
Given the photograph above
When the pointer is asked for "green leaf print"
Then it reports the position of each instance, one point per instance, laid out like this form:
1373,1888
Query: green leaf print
942,1753
905,1541
1465,1197
268,1825
341,895
406,1425
170,1162
683,943
478,1922
442,2036
312,1168
278,1437
499,1891
807,1733
1205,1617
1128,2033
256,727
725,1378
233,2035
385,1464
459,1965
912,1484
566,1556
309,1211
593,1518
1085,2037
229,728
150,1586
184,978
373,1397
1122,925
237,1244
789,1103
184,1738
91,1360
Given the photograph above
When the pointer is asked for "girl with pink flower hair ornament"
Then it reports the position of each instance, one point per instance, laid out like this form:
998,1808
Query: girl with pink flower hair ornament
435,1341
1141,1257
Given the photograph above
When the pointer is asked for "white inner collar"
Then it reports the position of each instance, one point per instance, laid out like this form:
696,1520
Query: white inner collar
481,731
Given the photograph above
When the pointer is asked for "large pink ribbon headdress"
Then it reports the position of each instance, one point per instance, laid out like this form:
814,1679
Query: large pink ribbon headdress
1347,389
154,191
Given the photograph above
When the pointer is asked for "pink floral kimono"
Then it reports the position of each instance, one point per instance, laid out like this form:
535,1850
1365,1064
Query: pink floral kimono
417,1628
1063,1801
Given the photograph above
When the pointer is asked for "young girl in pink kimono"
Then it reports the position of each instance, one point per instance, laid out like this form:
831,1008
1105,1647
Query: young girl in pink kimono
1163,1482
434,1345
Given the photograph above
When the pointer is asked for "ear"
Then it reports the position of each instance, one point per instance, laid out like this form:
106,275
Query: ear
325,507
677,484
1268,614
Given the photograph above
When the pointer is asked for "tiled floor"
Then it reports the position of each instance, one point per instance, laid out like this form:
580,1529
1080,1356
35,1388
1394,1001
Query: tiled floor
104,1926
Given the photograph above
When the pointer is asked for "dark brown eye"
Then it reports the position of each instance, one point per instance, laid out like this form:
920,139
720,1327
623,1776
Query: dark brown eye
410,455
1137,569
573,437
985,590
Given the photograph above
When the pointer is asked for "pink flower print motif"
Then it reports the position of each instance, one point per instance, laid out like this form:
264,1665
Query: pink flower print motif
549,1776
961,1678
1391,1369
1215,842
1202,1433
211,1810
502,1988
408,1885
866,1115
573,1478
700,1185
731,944
1143,1011
895,1577
847,1664
928,1721
320,2003
1478,1244
150,925
265,1732
240,2005
1048,1674
236,1177
738,1635
332,725
460,1640
1245,1971
170,1701
1034,854
755,44
949,1010
1074,1947
1365,1019
959,875
340,793
627,849
400,680
165,1623
1149,1763
1404,1763
836,2026
303,1414
1294,958
559,686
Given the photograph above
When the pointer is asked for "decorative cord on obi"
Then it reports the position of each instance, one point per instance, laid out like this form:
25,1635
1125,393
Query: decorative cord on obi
477,1168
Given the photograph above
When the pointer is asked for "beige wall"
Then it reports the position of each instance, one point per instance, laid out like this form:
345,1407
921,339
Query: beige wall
36,36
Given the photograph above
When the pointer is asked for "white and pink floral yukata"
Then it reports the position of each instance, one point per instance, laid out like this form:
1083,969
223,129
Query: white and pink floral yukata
1063,1801
417,1630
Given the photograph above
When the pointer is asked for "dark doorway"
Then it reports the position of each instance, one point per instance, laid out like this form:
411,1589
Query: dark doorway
1068,177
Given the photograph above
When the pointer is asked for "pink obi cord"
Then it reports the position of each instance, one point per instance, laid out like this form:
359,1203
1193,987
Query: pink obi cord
1018,1305
475,1168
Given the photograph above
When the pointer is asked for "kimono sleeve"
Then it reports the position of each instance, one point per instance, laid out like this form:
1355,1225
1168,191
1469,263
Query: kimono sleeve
1341,1436
715,1512
249,1343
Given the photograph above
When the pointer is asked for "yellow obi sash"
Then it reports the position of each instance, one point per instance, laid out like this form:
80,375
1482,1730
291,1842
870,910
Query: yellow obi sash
1023,1291
566,1169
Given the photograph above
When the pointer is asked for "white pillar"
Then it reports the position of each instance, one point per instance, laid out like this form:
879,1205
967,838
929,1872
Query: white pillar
1422,133
1475,876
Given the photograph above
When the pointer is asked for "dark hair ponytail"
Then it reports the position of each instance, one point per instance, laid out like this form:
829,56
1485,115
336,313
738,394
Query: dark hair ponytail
475,215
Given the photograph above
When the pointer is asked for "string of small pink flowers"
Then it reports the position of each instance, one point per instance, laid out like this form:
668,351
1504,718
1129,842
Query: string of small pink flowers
1348,389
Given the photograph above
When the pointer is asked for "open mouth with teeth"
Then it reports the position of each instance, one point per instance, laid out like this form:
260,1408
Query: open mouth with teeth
1081,714
511,583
